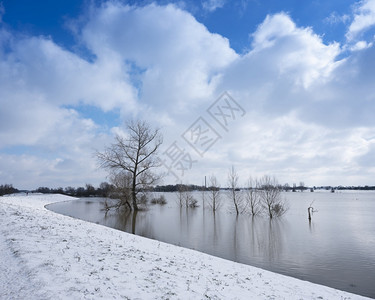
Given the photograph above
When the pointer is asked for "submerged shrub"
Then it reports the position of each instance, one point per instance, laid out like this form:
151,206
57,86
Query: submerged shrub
193,203
160,200
279,209
142,199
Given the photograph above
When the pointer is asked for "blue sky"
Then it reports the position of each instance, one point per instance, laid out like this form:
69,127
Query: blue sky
300,74
235,20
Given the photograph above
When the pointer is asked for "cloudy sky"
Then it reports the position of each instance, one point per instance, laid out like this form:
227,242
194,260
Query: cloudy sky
285,88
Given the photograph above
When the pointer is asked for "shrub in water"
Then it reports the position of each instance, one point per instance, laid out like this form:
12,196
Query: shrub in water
161,200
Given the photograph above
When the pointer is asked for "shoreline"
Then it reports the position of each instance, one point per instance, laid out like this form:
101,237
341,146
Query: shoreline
47,255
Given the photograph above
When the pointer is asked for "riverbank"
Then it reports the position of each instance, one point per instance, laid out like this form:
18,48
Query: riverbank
45,255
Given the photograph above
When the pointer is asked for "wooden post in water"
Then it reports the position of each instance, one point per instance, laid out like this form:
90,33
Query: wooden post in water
310,210
309,213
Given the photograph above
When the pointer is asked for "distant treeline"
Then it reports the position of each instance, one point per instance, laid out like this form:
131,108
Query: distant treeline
88,191
105,188
177,187
365,188
6,189
287,188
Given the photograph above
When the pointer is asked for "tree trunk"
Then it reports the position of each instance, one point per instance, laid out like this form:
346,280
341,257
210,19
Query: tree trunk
134,195
128,204
270,211
235,200
134,220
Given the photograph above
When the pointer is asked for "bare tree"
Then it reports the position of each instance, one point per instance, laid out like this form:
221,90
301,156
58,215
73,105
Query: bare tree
203,196
180,194
105,188
185,196
203,193
301,186
214,193
252,197
270,197
286,187
121,182
135,154
234,189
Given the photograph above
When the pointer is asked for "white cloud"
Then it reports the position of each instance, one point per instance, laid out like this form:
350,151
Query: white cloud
364,18
308,114
306,110
212,5
39,78
283,56
271,29
30,171
71,80
360,45
335,18
179,58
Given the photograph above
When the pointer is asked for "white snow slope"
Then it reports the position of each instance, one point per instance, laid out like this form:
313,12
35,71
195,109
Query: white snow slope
44,255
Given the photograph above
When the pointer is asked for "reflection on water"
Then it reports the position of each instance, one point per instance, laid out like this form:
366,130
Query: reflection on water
335,248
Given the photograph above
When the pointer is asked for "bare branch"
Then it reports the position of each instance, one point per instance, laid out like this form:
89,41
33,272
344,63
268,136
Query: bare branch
270,196
134,154
235,193
214,193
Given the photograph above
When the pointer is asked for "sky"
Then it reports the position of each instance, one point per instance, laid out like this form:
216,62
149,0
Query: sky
280,88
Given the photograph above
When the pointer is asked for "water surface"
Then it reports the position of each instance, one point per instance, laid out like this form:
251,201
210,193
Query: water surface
337,248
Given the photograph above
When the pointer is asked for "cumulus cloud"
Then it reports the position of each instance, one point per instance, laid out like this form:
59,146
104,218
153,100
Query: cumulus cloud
145,59
295,51
34,61
290,69
364,18
360,45
38,80
32,171
178,58
308,111
283,68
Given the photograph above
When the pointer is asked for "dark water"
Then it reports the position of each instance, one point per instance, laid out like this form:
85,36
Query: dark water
336,249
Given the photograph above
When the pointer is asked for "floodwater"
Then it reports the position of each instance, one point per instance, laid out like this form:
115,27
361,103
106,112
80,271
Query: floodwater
337,248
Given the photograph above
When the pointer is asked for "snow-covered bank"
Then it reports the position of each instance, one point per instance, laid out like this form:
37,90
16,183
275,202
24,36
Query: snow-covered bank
45,255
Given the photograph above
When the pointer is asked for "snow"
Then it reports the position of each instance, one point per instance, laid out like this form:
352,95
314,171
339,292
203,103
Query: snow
45,255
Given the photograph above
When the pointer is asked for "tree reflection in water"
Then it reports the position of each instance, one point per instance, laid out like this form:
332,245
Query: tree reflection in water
135,222
206,231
